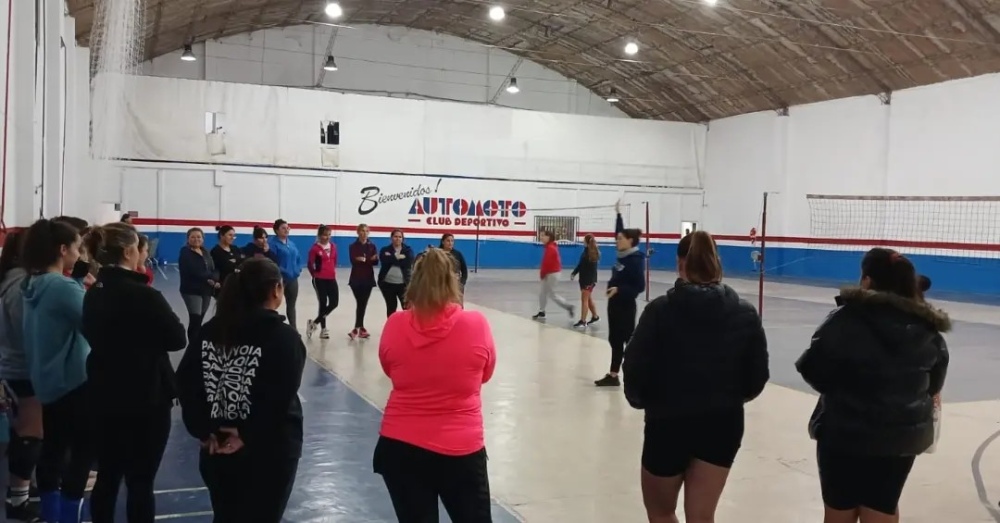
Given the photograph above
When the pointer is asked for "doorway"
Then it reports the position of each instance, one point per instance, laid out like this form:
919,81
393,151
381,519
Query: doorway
688,228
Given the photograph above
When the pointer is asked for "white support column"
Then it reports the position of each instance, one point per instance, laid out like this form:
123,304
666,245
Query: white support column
52,98
20,125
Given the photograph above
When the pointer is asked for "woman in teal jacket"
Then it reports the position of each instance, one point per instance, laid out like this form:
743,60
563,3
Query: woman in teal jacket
57,364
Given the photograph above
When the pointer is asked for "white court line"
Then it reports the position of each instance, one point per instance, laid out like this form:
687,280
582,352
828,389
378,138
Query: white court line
185,515
177,490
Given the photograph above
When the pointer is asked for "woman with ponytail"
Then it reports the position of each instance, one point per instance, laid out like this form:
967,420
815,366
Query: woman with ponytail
238,388
878,362
131,329
698,354
322,265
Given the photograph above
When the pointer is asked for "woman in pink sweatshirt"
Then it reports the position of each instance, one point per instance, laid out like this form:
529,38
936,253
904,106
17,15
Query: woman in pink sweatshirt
438,357
322,264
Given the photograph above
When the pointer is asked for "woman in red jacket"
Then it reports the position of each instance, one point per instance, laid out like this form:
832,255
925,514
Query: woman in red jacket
322,264
549,273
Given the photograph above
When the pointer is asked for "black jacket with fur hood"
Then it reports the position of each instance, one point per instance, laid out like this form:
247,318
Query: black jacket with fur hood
877,362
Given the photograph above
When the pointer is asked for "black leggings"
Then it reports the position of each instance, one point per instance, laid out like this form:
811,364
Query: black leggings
245,487
361,296
416,478
328,295
68,447
621,324
394,294
129,447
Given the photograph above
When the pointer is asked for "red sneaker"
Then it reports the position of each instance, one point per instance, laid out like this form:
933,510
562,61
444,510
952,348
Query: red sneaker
364,334
353,334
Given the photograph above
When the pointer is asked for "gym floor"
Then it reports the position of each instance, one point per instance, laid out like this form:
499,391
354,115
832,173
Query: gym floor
563,451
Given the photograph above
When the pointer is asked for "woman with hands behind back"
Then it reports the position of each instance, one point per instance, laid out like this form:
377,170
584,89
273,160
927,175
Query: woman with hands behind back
238,386
697,355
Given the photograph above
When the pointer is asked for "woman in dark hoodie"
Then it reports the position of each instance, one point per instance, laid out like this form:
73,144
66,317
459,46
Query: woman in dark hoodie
199,280
226,256
878,361
628,280
238,387
259,247
396,266
698,354
461,268
131,330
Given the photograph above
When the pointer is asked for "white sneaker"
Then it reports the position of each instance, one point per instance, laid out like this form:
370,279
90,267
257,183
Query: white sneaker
324,334
310,329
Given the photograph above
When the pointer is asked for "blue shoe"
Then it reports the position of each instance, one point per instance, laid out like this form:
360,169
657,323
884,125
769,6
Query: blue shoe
50,503
71,510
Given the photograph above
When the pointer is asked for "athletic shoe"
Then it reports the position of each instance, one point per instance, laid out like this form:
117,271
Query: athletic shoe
26,512
580,325
363,333
539,316
608,381
310,329
324,334
353,334
595,319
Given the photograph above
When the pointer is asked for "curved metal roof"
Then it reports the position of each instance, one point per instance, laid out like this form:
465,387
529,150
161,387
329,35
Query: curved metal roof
696,61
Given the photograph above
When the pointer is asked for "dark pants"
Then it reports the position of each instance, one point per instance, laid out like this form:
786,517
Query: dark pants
291,295
621,324
416,478
130,448
197,307
362,293
394,294
244,487
328,295
68,448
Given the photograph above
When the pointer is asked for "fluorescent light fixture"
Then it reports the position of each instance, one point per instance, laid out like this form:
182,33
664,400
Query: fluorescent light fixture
331,64
613,96
512,87
711,2
497,13
631,48
188,54
333,10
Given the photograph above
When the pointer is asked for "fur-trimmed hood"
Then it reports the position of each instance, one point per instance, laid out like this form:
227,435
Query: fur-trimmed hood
932,315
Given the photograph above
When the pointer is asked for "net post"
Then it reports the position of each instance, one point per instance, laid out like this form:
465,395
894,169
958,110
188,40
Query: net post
763,251
475,267
649,252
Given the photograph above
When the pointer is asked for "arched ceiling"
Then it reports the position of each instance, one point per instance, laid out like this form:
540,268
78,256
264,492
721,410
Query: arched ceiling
696,62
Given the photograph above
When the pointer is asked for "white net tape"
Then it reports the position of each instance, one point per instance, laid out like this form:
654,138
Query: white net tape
116,45
571,224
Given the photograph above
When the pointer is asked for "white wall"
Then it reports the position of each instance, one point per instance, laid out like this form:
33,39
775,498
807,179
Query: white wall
387,61
276,126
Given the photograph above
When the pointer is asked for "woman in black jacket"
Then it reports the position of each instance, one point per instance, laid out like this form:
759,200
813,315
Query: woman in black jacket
698,354
238,387
199,280
131,330
586,268
226,256
394,273
461,268
878,361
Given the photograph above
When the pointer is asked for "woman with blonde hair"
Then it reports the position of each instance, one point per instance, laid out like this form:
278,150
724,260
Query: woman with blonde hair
438,356
587,269
697,356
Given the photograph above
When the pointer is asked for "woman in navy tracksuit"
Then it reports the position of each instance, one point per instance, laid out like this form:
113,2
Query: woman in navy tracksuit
394,273
626,284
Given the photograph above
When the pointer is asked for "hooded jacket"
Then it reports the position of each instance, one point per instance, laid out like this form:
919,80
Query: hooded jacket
251,386
700,348
13,362
56,349
628,274
877,362
437,368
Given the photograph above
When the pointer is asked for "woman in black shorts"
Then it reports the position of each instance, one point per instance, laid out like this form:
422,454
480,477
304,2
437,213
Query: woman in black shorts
697,355
877,362
586,268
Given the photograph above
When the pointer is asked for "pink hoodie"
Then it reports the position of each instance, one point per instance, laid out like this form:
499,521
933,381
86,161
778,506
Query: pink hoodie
437,371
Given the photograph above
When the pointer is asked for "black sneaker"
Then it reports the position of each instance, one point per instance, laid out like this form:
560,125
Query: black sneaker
539,316
26,512
608,381
595,319
580,324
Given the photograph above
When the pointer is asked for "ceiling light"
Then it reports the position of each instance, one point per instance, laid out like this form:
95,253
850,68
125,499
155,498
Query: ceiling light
613,96
512,87
631,48
497,13
188,54
330,65
333,10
